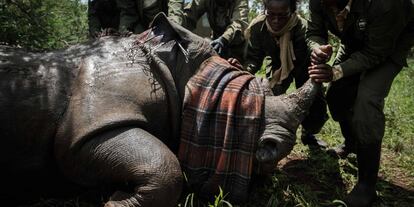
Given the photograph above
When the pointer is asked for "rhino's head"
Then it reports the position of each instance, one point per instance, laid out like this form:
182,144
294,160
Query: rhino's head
175,49
283,114
174,45
175,54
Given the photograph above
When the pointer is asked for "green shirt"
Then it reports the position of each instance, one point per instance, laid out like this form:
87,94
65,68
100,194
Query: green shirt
262,44
228,21
374,31
136,15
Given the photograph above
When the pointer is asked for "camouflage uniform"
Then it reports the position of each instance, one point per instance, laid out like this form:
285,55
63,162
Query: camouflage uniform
376,38
228,20
102,14
136,15
260,44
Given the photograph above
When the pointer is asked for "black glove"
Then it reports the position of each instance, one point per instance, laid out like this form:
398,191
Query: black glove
219,45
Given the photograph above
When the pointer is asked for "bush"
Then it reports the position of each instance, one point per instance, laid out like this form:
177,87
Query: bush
42,24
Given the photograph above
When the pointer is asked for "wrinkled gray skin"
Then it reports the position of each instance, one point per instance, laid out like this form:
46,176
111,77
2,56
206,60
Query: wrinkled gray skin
106,114
283,114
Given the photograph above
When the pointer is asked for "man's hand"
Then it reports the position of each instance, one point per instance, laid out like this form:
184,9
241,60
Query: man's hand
320,73
234,62
219,45
321,54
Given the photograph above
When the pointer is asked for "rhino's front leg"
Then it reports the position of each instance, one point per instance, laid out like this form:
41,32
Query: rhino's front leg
128,157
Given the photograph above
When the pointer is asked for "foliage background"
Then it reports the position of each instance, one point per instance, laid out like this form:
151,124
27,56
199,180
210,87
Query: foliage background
42,24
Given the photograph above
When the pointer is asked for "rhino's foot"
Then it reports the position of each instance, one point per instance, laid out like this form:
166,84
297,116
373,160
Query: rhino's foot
132,159
119,204
110,204
122,199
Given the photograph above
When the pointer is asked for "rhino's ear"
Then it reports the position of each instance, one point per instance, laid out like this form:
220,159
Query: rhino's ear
163,24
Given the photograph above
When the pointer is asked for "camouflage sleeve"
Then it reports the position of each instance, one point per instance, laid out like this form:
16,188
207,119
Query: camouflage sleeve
192,13
175,10
341,55
234,32
316,33
255,53
93,20
383,35
128,15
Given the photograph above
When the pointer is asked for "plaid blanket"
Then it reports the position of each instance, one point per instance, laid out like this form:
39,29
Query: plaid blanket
221,123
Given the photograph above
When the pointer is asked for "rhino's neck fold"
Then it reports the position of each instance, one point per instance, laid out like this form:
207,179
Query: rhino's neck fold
174,100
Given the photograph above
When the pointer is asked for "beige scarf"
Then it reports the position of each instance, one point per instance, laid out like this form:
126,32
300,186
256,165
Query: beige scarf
287,54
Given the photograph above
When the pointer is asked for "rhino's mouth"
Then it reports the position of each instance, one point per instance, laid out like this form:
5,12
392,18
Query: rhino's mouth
275,143
162,42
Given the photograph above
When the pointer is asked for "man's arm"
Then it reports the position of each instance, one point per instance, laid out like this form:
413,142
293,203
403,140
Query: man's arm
175,10
129,16
381,40
234,32
192,13
316,33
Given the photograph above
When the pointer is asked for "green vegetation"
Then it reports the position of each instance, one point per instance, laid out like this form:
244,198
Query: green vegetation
42,24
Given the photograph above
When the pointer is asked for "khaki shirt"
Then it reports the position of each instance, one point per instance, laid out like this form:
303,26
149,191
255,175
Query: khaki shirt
375,30
136,15
261,44
227,21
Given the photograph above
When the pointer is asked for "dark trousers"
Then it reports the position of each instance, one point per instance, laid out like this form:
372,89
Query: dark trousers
358,100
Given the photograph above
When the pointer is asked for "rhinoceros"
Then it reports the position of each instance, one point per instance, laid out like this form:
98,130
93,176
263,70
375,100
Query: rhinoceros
106,114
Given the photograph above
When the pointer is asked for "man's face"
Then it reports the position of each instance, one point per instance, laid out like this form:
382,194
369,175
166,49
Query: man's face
277,14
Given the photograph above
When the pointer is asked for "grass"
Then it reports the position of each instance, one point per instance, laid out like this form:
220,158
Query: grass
310,178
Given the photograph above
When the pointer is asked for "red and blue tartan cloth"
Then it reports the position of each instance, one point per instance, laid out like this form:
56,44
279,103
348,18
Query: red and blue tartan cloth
221,125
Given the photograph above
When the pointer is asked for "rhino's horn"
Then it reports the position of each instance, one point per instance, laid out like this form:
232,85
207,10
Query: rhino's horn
296,105
302,99
283,114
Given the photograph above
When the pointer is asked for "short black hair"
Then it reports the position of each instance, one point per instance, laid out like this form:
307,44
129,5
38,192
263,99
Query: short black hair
292,3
